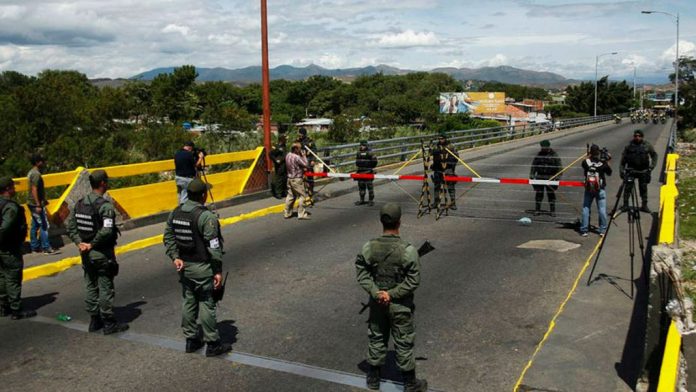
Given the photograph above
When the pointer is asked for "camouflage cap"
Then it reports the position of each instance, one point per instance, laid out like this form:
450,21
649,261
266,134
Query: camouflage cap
198,186
390,213
98,176
545,143
6,182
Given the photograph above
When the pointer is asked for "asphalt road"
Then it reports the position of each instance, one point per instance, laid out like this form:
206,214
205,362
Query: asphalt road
482,307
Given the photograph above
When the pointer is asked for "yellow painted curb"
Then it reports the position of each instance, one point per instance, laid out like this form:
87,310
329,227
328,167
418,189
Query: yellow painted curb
57,267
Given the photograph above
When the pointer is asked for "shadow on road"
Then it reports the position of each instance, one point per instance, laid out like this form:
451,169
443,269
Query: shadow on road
228,331
630,367
39,301
130,312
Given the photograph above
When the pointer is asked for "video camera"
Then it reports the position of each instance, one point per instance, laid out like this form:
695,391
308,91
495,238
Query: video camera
604,154
199,150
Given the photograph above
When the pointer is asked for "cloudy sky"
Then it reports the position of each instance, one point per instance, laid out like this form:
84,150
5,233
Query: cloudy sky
120,38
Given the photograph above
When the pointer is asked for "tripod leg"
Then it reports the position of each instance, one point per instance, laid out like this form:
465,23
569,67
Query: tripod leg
606,233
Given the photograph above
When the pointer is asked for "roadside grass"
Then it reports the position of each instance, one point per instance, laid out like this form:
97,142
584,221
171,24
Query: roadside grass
686,167
687,194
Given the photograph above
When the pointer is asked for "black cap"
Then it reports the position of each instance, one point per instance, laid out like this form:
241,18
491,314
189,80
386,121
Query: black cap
189,144
302,131
390,213
594,149
6,182
98,176
638,132
198,186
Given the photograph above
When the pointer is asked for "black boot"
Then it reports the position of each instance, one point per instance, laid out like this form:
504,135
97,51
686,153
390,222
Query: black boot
95,323
373,377
360,202
644,207
552,208
372,200
113,326
412,384
217,348
5,311
22,314
193,345
537,209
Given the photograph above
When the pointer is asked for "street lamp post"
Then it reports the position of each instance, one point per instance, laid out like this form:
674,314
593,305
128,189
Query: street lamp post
676,63
595,77
265,89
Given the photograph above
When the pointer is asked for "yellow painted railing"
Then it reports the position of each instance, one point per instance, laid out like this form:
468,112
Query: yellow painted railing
144,200
669,371
668,202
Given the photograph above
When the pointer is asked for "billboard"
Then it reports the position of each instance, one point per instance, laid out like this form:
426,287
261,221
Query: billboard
472,103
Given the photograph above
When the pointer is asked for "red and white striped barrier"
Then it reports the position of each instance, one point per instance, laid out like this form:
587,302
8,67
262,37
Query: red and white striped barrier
514,181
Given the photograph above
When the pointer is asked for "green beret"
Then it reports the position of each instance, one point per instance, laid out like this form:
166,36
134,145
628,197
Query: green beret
6,182
98,176
390,213
198,186
545,143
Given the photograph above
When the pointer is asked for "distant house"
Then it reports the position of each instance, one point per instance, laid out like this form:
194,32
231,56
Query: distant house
315,124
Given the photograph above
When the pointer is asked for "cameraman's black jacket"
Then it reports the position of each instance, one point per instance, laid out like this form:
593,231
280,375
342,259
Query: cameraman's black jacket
602,168
639,156
185,163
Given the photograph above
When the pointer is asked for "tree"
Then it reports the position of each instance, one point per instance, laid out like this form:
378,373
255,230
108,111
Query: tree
687,92
612,97
172,95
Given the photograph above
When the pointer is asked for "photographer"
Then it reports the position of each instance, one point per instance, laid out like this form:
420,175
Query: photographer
596,168
187,162
638,160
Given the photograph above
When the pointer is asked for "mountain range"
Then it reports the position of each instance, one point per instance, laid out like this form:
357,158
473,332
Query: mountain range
505,74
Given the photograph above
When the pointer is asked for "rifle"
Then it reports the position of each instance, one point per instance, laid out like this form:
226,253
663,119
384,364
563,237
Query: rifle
219,293
424,249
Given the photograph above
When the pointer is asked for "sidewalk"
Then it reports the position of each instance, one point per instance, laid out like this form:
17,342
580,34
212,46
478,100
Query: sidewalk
598,338
336,188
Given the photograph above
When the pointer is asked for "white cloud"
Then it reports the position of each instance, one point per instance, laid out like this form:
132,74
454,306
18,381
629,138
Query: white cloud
175,28
407,39
496,61
686,48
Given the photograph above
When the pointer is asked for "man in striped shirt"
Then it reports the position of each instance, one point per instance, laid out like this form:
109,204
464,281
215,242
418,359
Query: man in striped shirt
296,166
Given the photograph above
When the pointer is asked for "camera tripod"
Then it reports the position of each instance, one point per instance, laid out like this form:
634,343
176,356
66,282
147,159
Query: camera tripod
202,171
634,226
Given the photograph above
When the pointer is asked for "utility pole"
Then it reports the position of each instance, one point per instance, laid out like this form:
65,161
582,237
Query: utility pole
265,86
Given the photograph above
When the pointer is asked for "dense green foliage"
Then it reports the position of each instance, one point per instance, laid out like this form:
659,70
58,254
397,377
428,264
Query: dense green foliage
687,92
516,91
64,116
612,97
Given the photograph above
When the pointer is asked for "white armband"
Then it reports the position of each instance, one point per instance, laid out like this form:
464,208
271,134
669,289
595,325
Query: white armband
108,223
214,243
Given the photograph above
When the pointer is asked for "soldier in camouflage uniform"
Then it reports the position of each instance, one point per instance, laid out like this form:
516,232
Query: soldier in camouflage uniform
366,162
13,231
444,164
388,268
92,227
194,243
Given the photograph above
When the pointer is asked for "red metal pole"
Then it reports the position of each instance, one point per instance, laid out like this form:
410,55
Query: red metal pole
265,86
